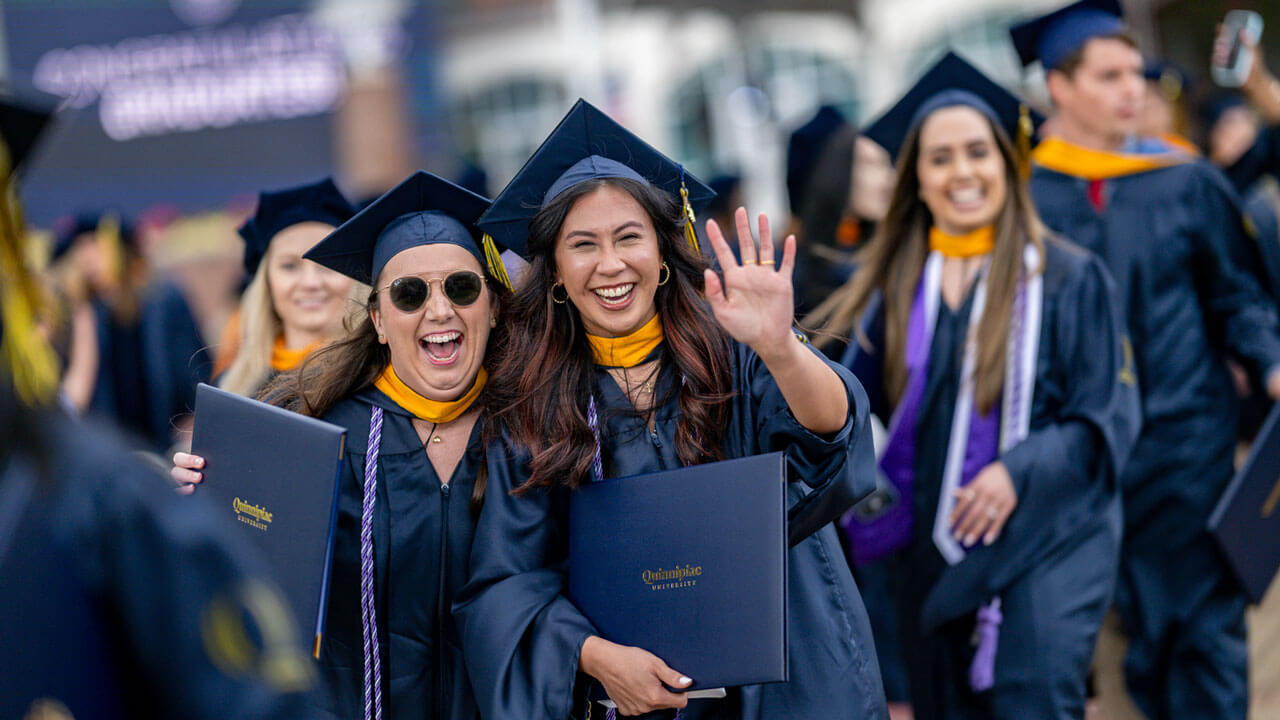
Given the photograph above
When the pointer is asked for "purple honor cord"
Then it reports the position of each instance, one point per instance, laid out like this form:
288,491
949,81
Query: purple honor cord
597,464
368,608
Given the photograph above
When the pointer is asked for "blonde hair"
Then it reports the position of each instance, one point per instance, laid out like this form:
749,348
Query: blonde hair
260,325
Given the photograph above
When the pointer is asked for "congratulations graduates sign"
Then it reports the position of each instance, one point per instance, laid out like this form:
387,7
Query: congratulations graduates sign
183,102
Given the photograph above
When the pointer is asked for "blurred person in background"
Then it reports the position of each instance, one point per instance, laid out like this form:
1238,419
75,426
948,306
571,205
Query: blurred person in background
134,353
1164,108
994,350
120,598
291,306
1170,230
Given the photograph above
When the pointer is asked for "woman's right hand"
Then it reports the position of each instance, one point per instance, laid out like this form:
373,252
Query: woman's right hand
185,472
633,678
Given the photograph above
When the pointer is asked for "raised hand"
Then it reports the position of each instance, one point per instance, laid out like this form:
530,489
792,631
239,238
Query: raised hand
754,303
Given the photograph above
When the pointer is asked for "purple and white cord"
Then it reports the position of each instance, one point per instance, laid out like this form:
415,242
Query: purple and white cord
368,608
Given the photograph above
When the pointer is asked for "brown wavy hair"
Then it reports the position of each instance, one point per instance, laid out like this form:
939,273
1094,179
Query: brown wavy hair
546,372
351,365
894,258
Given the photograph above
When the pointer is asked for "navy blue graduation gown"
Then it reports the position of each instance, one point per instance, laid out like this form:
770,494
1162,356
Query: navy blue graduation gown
1174,241
422,533
1066,526
148,370
121,583
522,636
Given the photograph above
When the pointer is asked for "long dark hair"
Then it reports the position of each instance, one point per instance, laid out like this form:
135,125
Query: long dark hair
351,365
545,374
893,260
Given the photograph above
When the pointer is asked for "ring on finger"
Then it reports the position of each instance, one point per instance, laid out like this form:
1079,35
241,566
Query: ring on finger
992,513
766,262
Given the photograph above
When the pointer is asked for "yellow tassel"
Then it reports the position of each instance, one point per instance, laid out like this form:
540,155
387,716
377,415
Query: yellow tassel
108,232
689,233
1025,130
494,258
24,351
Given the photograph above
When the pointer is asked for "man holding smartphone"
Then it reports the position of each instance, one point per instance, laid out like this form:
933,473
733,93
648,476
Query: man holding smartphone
1169,228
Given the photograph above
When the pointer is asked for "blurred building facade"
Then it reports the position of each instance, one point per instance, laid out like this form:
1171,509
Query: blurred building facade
718,84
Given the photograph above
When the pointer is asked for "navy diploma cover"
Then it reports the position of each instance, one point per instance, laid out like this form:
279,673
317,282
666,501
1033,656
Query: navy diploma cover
1246,521
274,474
689,564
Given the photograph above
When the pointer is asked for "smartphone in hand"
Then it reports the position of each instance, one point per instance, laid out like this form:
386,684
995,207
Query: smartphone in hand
1231,68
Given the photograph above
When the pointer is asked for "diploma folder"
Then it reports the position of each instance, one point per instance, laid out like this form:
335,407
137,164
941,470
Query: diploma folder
1246,521
689,564
274,475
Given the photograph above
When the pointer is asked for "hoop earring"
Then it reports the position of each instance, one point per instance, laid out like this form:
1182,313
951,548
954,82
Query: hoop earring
663,280
557,300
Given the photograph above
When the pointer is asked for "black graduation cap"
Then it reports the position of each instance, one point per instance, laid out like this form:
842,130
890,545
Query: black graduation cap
67,228
21,124
1054,37
423,210
952,81
317,202
804,147
586,145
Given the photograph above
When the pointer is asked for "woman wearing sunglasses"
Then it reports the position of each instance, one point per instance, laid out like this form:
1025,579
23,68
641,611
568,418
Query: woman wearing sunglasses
409,386
292,306
616,354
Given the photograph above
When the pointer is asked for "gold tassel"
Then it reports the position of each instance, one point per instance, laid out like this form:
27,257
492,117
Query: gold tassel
494,258
24,351
690,234
108,232
1025,130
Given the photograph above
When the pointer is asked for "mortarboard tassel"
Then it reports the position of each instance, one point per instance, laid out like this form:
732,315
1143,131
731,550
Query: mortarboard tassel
108,232
1025,130
982,671
23,349
689,233
494,258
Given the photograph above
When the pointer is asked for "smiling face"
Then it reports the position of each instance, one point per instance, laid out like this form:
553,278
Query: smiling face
438,349
309,298
606,255
961,170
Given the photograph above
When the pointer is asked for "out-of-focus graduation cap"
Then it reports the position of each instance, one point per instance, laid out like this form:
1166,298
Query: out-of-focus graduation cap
423,210
317,202
1054,37
25,356
586,145
68,228
21,125
953,81
804,148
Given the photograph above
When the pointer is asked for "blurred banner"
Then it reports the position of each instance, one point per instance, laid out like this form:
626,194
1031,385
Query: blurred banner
185,103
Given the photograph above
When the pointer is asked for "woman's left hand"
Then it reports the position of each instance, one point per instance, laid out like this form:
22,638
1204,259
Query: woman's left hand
983,506
755,301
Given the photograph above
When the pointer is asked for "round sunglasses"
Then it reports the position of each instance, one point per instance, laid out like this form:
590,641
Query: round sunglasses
410,293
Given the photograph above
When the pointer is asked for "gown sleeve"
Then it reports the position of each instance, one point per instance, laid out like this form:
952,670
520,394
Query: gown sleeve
1244,317
521,636
1261,159
838,470
1092,432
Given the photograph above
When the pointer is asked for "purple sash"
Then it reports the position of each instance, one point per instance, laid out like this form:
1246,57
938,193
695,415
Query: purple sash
892,531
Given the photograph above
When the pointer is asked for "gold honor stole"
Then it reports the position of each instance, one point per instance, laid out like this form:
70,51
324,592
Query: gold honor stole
283,359
628,350
436,411
978,242
1061,156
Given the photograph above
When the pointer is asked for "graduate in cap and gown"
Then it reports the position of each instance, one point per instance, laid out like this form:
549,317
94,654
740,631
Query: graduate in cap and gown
121,600
994,352
140,362
292,306
409,384
1169,229
628,355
